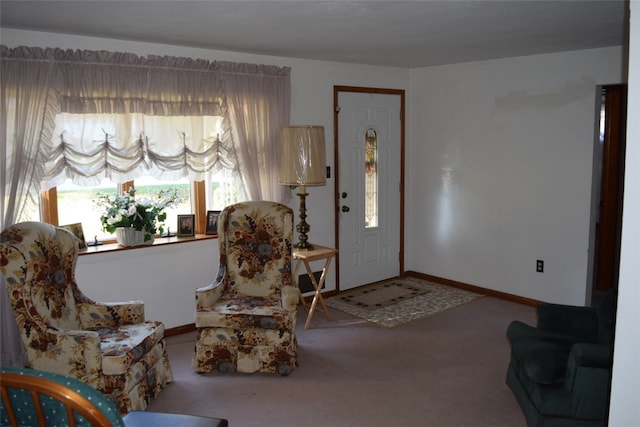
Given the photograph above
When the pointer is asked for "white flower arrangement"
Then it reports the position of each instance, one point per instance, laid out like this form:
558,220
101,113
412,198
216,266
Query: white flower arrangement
124,210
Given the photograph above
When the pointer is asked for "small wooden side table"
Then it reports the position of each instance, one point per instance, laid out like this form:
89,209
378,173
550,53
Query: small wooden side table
303,256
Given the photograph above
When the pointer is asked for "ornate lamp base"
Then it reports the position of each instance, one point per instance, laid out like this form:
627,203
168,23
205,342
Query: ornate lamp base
303,228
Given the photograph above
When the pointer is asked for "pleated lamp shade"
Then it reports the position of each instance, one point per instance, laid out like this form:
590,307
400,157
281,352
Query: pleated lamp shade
302,156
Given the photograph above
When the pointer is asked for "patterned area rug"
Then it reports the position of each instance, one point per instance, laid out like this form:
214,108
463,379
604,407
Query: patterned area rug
398,301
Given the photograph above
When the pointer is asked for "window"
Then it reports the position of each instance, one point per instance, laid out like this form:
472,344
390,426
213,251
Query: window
371,179
75,205
148,186
95,142
82,117
222,189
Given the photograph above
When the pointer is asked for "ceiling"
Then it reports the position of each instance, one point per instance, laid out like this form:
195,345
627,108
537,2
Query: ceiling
404,34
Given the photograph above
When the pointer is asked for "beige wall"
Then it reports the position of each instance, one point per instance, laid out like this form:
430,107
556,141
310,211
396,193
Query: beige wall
500,171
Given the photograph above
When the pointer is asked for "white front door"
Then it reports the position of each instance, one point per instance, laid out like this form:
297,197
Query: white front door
369,186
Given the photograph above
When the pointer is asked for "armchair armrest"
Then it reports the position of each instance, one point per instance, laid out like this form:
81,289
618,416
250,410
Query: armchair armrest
95,316
591,356
69,352
588,379
290,297
575,321
207,296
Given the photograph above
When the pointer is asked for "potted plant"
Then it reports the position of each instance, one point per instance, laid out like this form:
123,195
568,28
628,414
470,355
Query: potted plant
135,221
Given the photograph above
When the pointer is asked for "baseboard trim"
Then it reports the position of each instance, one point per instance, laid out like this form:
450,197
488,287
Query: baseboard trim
178,330
473,288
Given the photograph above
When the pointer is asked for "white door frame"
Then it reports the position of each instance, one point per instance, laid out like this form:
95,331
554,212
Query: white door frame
336,92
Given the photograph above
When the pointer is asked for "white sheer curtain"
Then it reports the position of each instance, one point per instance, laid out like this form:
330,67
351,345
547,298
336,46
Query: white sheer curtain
255,94
38,85
26,117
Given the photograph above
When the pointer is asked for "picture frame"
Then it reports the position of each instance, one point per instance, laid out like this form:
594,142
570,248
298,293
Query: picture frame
186,225
77,231
212,222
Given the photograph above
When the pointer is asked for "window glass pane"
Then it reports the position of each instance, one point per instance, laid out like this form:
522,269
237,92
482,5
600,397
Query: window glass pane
223,189
150,187
78,205
371,179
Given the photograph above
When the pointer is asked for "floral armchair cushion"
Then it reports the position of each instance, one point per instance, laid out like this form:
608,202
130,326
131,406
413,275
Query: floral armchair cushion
106,345
248,314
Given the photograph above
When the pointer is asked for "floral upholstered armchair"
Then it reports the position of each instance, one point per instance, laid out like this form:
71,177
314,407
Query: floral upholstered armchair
246,319
106,345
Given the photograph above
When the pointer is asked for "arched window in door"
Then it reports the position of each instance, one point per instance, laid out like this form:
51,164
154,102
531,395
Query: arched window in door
371,178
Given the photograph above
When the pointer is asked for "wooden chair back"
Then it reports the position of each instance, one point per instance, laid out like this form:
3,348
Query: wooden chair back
38,387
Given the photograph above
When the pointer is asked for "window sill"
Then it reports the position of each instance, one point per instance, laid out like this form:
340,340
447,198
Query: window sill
158,241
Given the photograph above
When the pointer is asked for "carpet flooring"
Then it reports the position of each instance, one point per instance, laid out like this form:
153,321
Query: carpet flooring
444,370
397,301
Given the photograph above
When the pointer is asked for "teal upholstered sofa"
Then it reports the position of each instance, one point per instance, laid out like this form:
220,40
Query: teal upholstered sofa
560,370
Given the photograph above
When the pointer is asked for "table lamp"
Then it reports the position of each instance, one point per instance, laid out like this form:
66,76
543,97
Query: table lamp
302,164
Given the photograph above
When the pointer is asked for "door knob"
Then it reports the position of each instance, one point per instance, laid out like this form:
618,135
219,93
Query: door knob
344,195
345,209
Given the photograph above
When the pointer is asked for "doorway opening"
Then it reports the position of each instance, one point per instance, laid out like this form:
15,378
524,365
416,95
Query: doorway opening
608,189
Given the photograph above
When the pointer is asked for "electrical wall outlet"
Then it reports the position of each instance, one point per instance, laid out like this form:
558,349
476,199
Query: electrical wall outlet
540,266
